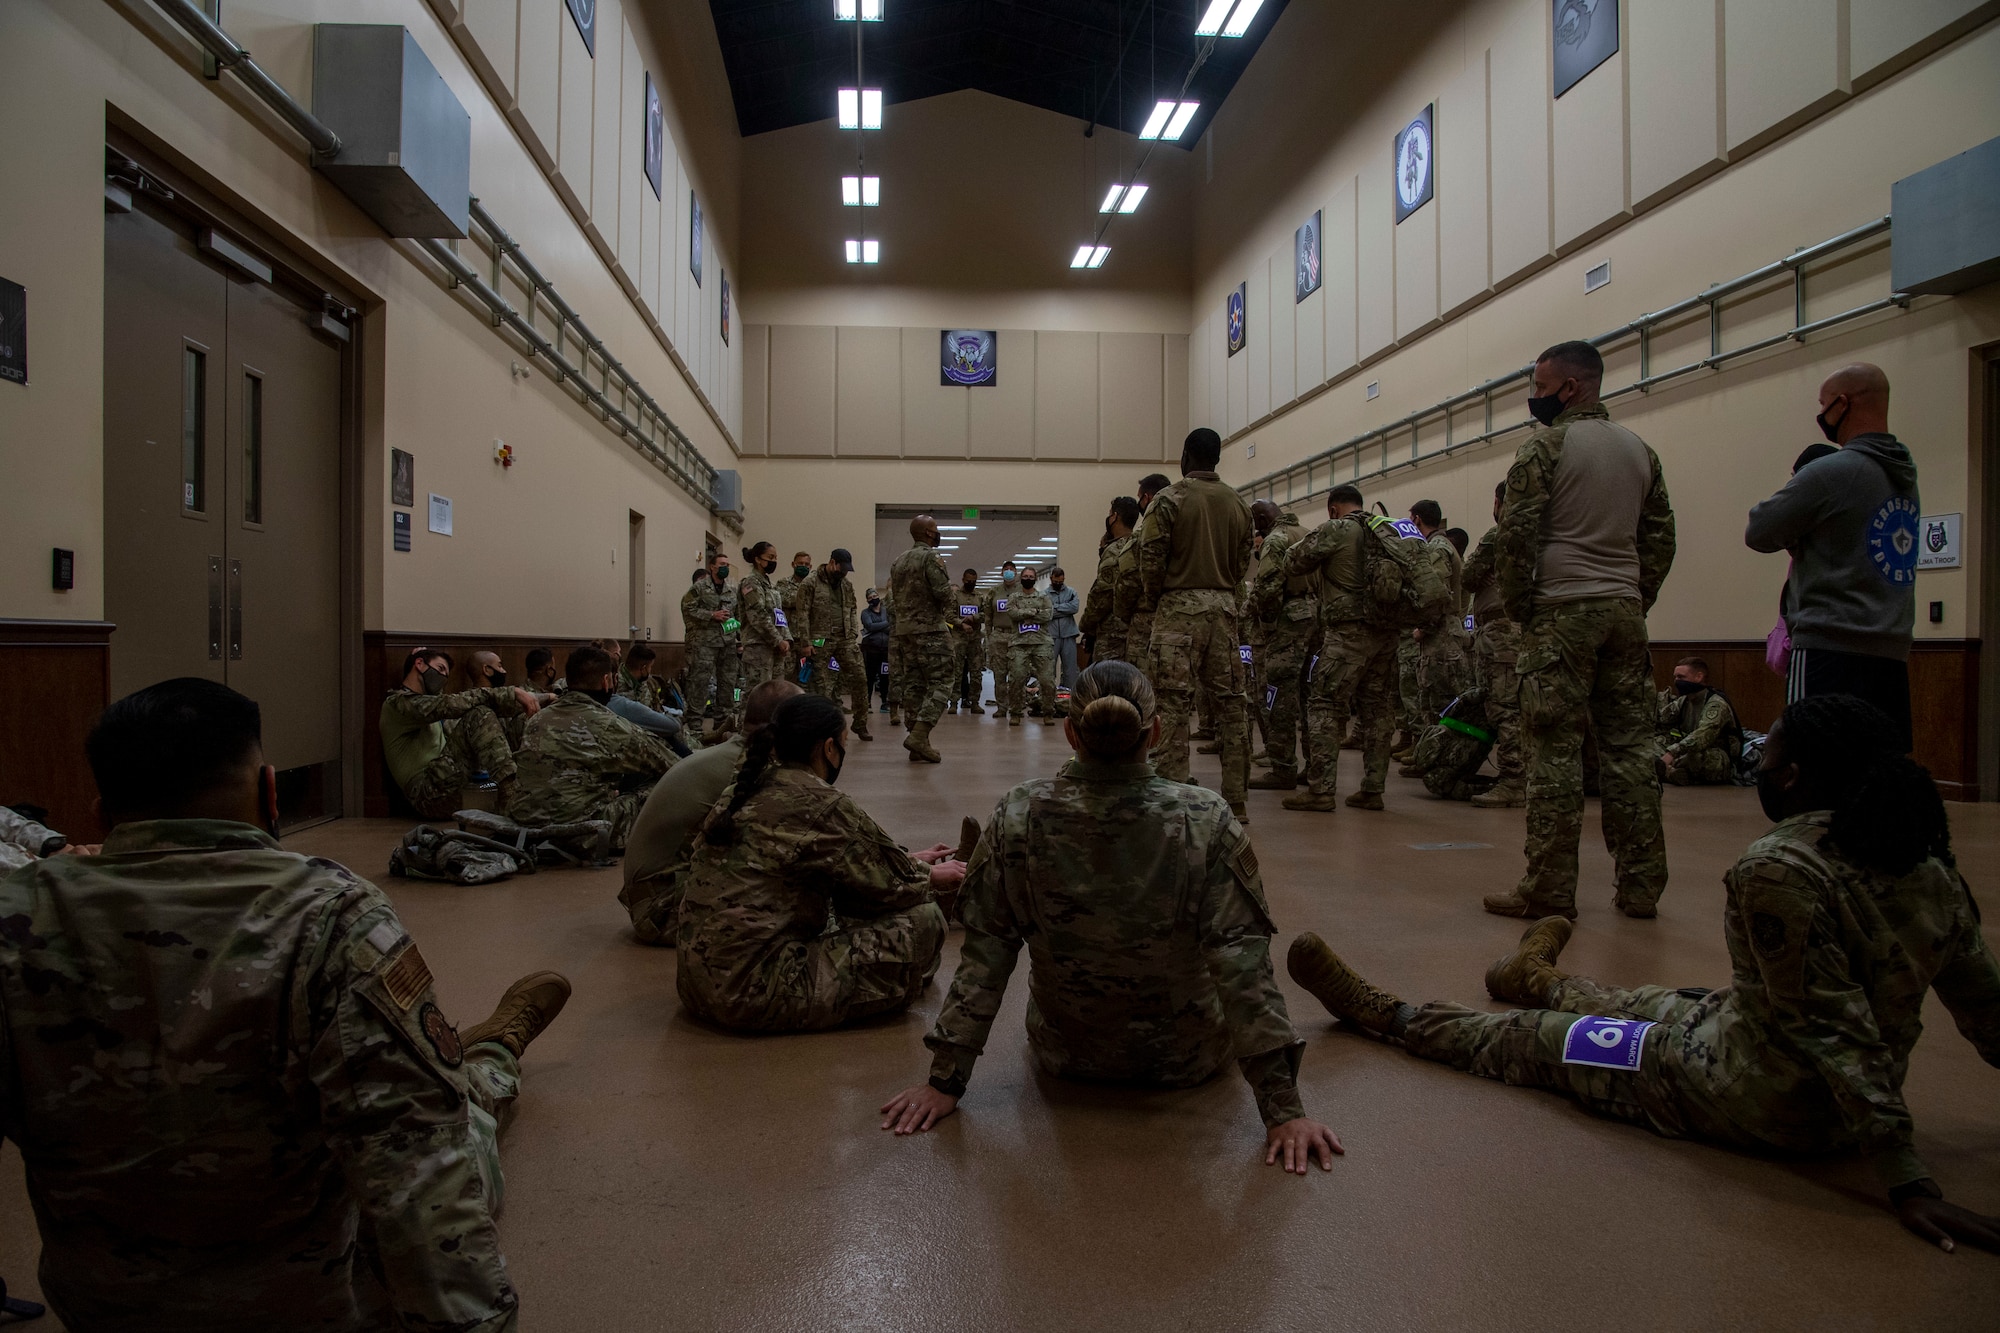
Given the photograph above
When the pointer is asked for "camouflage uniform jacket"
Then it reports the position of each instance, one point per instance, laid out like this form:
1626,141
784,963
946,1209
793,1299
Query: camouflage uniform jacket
827,612
1147,933
1198,535
1335,551
1002,613
217,1058
1277,596
803,850
1450,566
23,840
1126,585
412,724
1698,722
1830,965
1531,481
1481,580
642,689
923,592
1027,608
792,599
698,606
761,610
970,628
1100,608
577,756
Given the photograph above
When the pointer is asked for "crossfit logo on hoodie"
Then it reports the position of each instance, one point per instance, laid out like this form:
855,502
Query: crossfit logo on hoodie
1892,540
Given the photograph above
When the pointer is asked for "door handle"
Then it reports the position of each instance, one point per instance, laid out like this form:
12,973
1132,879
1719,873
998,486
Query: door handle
215,608
236,610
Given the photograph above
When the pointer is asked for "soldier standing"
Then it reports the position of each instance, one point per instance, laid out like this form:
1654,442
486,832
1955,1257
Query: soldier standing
706,610
1031,652
1838,922
832,634
1192,558
1285,605
1000,629
1130,603
1160,970
581,760
766,629
1700,738
1440,646
1586,539
792,592
1102,626
1496,645
224,1062
1357,657
922,635
968,643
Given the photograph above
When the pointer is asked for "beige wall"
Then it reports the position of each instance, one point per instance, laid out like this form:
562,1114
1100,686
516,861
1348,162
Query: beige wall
1722,136
535,546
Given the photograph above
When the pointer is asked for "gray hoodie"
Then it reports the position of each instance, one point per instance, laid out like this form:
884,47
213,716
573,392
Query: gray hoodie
1851,521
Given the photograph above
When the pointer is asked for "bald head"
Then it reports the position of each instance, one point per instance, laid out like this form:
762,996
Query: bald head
924,529
1853,401
482,666
1264,515
762,701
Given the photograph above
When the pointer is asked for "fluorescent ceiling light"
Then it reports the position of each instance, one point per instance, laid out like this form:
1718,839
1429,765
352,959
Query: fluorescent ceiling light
860,108
1081,259
1132,198
861,191
864,252
871,108
1111,199
1157,121
1175,127
1209,25
1239,22
867,11
1099,255
958,527
849,102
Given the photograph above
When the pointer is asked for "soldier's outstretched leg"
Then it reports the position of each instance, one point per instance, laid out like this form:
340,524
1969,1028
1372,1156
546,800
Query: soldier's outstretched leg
870,967
492,1064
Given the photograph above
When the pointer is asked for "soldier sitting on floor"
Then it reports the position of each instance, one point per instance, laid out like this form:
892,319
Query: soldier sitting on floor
226,1068
1700,738
1838,922
1139,902
434,743
582,761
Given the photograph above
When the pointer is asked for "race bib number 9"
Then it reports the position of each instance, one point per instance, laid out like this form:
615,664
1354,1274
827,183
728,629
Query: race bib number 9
1030,627
1606,1043
782,622
1270,697
1243,653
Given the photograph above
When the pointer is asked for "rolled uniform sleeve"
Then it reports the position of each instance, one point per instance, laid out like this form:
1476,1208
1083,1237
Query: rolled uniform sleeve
992,947
398,1119
872,875
423,709
1236,930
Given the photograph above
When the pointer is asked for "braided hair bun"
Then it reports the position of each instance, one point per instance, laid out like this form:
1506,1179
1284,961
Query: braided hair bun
1110,706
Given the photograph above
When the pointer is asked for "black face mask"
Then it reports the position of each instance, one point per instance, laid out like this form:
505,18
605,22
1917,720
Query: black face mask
1546,410
433,681
800,571
602,696
497,680
721,573
1831,429
1770,795
1687,687
833,773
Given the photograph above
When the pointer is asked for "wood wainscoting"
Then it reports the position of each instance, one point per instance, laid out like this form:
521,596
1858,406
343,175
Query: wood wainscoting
58,675
382,666
1944,698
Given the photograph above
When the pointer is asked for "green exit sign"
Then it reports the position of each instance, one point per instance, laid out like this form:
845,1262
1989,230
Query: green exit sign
971,513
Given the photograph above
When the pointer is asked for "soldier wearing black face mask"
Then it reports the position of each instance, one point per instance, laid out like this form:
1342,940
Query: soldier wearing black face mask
434,743
1700,738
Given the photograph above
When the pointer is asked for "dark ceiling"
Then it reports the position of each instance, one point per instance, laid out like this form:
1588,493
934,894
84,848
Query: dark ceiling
1102,61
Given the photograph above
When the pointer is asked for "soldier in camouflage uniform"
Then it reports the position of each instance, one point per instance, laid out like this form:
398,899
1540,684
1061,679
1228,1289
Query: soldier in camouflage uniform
831,631
1031,653
1147,930
582,761
707,607
225,1065
922,634
1496,645
767,627
1101,623
1838,921
434,742
783,855
1000,630
1129,601
1586,540
968,645
1700,739
892,691
1439,668
1192,559
791,596
23,840
1357,655
1285,605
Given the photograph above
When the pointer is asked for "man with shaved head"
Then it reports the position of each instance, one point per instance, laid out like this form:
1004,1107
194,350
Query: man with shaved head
1852,523
925,611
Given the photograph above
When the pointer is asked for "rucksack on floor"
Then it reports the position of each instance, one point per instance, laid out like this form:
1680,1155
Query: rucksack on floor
1402,586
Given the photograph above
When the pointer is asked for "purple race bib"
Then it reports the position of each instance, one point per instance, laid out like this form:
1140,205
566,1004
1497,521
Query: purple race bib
1000,605
1030,627
968,611
782,622
1243,653
1606,1043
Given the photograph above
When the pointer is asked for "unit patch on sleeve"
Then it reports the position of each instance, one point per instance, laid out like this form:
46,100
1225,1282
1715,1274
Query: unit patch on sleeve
442,1036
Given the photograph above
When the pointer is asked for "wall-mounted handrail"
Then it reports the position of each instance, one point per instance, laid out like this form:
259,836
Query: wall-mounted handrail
1327,462
231,56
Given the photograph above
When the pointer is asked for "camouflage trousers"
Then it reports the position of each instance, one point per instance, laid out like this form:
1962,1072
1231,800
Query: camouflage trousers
1356,671
1496,647
1253,687
1409,705
712,678
1588,660
1443,672
1451,760
1139,642
1702,768
999,661
838,670
654,904
1286,652
1693,1081
761,662
1194,646
1037,660
926,679
864,968
1109,645
474,743
492,1083
892,679
968,672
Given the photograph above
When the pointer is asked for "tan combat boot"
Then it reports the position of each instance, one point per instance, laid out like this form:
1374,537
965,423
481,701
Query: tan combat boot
1241,809
1345,993
1366,800
525,1009
1526,975
918,743
1209,747
1311,800
1278,779
1513,904
1501,796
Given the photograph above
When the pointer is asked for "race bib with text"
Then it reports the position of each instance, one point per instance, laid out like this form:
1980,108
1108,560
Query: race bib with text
1030,627
1606,1043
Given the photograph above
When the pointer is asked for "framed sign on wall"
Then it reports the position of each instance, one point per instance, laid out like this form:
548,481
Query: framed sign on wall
584,12
1236,317
969,358
1586,35
656,136
1305,250
1416,160
694,237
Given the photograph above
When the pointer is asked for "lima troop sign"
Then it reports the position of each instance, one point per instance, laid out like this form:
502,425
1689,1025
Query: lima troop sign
1416,157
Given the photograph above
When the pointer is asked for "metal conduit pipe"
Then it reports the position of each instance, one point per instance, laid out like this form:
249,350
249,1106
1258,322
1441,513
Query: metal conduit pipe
505,313
230,56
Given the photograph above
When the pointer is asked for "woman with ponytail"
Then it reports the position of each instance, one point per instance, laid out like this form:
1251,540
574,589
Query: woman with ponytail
1148,939
780,853
1839,921
767,633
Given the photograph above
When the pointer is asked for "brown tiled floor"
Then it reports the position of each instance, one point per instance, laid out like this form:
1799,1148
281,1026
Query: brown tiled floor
665,1176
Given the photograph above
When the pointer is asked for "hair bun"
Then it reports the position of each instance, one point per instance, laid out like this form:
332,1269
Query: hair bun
1110,725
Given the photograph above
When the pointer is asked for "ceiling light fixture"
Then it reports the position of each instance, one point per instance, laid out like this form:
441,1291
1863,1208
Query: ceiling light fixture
861,191
860,108
1175,127
1132,198
1169,120
1098,255
1220,20
867,11
1081,259
1157,121
864,252
1111,198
